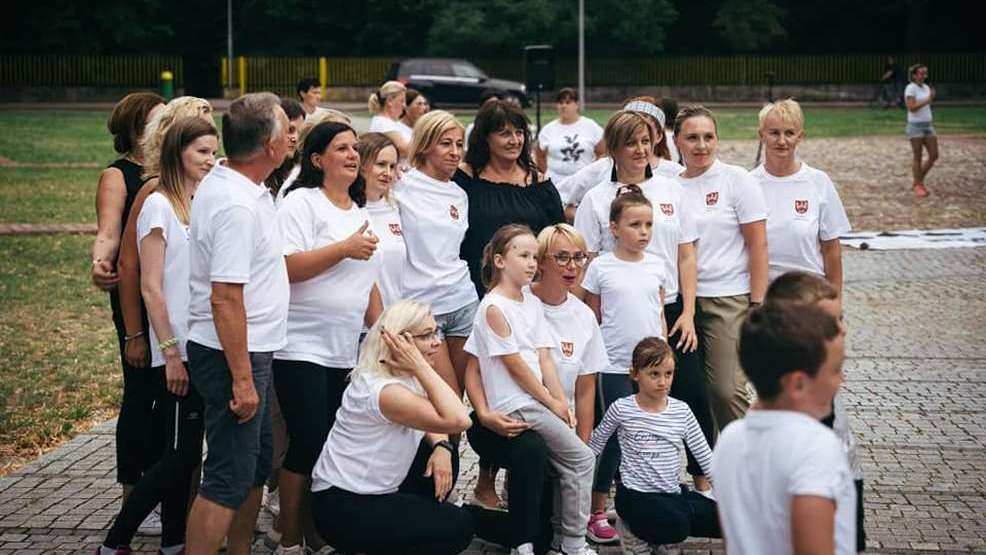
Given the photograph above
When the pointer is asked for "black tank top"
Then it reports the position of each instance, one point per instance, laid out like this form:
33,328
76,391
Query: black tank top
133,180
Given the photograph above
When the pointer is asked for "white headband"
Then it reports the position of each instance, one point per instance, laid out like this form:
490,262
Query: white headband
646,108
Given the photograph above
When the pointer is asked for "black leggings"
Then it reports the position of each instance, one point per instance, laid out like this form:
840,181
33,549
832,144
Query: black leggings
665,518
409,521
179,420
689,385
136,449
309,395
525,458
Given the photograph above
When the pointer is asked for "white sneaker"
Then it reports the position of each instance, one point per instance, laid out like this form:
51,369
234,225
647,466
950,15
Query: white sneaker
523,549
629,543
152,524
293,550
272,501
586,550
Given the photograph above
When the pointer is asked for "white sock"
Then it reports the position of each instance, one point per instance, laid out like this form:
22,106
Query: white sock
173,550
573,544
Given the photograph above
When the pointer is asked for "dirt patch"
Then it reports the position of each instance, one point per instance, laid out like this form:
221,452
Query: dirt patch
873,175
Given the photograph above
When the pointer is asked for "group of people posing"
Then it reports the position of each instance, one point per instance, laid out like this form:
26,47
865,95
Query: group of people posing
316,304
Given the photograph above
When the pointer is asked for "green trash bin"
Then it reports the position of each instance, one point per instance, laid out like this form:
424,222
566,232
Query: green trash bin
167,85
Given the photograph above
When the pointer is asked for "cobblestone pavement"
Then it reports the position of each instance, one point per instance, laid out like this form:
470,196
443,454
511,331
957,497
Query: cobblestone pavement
916,382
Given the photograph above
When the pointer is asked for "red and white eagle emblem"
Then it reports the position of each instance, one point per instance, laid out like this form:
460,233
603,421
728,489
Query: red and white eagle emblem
453,211
711,199
567,349
801,206
395,229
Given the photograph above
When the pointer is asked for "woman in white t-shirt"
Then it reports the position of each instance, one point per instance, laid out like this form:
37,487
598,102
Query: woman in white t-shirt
918,97
387,106
188,152
625,288
569,143
434,218
378,167
332,264
574,188
805,216
729,208
384,474
417,106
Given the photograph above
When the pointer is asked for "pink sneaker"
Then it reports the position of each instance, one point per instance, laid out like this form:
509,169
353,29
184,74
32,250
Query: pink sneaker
125,550
600,530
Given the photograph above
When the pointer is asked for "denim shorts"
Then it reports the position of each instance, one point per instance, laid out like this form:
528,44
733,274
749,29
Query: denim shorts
239,455
919,129
457,323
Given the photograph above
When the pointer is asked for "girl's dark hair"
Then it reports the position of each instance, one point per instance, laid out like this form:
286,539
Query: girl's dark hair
493,116
411,95
626,197
127,120
489,274
316,143
294,110
670,108
651,351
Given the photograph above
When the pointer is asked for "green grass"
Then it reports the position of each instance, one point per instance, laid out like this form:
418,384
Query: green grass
55,137
48,195
60,366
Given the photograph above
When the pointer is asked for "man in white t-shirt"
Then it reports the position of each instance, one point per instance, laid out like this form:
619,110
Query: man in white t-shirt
782,479
237,318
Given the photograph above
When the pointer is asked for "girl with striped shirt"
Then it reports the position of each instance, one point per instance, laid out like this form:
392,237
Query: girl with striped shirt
652,429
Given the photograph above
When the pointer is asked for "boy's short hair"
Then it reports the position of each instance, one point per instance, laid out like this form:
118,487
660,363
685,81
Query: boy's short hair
783,337
306,83
801,287
651,351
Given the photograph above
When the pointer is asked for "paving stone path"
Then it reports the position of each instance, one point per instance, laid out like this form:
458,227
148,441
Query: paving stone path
916,385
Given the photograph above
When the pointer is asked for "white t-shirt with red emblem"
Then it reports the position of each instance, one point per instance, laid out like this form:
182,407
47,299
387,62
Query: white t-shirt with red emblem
722,199
579,348
434,219
803,209
385,220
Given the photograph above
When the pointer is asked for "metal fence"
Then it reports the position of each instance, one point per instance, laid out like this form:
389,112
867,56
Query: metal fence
279,74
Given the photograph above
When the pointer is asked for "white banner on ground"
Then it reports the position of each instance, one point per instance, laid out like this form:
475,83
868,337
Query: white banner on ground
916,239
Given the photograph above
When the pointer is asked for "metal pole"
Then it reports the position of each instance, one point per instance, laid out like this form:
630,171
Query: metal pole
229,42
582,55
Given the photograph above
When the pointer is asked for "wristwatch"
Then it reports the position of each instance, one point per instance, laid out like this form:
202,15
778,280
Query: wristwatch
444,444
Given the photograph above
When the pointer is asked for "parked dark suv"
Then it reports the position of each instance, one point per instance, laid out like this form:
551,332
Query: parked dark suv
448,81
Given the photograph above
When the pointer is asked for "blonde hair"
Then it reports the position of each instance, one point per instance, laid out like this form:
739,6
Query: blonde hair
549,234
788,110
179,108
621,127
171,183
399,317
427,131
380,96
328,114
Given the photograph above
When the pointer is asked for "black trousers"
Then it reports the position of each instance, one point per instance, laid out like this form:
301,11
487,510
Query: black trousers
410,521
309,396
666,518
179,420
136,448
689,385
525,458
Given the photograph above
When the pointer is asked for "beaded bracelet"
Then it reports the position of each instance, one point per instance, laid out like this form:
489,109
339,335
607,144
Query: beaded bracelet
127,338
168,343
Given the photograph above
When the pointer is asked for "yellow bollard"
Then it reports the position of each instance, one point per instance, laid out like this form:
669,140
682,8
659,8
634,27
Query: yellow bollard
241,73
323,73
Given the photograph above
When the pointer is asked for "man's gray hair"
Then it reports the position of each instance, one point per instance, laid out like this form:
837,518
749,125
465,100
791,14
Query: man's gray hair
249,123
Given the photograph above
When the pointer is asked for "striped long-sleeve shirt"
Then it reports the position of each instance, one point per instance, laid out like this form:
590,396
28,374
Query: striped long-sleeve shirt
651,443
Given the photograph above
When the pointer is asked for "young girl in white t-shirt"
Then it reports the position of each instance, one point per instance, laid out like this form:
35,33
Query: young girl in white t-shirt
653,429
512,343
625,288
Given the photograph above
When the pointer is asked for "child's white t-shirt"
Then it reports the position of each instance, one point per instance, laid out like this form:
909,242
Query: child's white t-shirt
721,199
652,443
158,214
569,146
528,333
762,462
434,220
802,210
385,220
325,314
630,303
673,224
578,341
920,93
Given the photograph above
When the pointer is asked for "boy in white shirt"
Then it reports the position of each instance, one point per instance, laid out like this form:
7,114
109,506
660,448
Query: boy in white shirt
783,481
